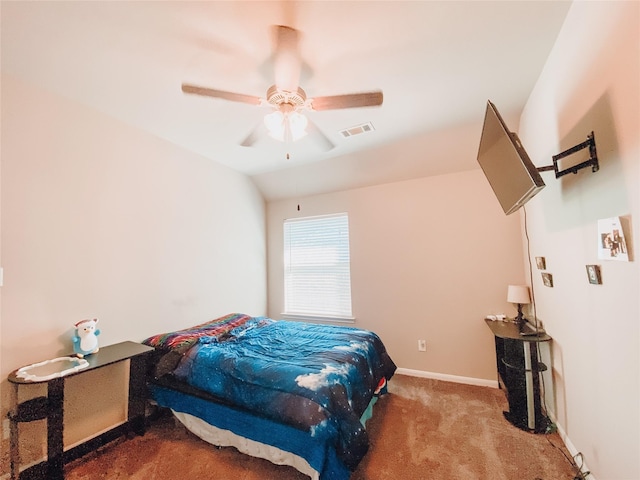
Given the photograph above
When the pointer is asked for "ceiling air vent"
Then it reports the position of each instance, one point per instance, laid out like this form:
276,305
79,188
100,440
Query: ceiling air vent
357,130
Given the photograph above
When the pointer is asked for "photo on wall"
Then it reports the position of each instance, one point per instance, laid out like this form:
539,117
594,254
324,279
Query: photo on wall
593,272
612,244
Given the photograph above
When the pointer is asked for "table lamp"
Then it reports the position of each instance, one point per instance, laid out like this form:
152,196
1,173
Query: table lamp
519,294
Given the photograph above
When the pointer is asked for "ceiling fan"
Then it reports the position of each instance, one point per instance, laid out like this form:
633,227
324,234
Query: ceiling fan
287,98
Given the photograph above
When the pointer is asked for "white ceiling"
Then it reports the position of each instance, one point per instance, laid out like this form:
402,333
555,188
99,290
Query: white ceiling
437,63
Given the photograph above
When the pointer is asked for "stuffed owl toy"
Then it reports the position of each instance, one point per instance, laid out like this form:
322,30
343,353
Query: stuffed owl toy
85,340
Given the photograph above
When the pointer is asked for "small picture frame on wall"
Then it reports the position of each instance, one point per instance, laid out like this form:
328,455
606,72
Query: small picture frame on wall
593,272
541,263
547,279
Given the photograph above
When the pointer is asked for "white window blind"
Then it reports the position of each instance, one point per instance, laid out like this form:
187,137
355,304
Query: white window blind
317,279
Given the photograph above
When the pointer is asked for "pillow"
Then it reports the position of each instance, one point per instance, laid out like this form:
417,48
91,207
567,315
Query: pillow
172,346
186,337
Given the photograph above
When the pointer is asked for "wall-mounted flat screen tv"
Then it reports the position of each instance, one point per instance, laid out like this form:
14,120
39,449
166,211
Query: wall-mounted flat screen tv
509,170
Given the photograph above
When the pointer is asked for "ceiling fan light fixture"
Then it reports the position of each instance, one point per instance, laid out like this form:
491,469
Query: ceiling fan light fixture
275,125
297,124
286,125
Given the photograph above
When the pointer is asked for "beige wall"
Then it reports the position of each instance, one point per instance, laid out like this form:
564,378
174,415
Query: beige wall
99,219
429,259
102,220
591,82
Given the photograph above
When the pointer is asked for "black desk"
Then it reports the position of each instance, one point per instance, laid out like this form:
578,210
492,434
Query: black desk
519,369
51,408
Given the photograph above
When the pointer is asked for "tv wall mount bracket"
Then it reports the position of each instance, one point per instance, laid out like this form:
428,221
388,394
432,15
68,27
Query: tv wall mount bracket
592,162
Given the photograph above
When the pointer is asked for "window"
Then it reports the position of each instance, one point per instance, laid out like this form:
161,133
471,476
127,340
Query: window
317,279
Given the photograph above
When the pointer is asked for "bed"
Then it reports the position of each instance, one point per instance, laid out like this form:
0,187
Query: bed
294,393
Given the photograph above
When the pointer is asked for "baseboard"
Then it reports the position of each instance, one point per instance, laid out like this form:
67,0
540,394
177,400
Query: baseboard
481,382
570,446
471,381
491,383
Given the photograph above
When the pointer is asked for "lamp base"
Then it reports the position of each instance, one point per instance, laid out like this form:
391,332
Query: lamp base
520,320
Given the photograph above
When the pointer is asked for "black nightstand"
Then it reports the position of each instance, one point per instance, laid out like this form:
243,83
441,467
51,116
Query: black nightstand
519,369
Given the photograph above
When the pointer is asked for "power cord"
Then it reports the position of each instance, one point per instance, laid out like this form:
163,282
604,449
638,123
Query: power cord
580,475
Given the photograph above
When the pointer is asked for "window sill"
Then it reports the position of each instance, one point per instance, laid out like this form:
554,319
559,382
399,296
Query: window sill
317,318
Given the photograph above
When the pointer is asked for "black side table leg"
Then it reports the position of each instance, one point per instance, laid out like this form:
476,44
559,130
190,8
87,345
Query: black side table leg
55,428
14,445
137,394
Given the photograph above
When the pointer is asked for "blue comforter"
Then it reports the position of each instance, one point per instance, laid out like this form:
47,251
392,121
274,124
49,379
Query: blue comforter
317,378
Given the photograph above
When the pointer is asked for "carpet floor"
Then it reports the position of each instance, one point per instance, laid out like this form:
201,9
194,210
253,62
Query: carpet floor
424,429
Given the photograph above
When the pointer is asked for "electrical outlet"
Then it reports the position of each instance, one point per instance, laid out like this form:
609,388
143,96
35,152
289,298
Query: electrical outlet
422,345
5,429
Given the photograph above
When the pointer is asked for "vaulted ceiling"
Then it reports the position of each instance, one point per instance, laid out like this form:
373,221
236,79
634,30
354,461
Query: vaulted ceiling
437,62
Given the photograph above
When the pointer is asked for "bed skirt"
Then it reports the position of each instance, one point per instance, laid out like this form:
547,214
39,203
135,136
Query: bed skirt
276,442
226,438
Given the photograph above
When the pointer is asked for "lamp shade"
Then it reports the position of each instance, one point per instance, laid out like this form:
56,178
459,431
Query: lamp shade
518,294
275,123
297,125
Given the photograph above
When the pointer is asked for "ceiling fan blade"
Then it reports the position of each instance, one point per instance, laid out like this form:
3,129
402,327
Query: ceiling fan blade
353,100
287,64
319,137
256,134
210,92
